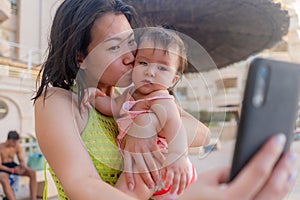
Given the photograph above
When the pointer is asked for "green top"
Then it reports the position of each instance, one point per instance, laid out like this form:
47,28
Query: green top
99,137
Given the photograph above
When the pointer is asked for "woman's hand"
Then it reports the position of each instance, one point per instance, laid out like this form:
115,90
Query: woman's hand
142,151
263,178
147,163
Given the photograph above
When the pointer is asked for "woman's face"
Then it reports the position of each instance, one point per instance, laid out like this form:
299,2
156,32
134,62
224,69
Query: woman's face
110,57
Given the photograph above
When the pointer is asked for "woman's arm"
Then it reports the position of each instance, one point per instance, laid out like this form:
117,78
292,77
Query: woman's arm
60,141
198,134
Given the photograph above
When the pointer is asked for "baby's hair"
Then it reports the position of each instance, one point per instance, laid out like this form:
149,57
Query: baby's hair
165,37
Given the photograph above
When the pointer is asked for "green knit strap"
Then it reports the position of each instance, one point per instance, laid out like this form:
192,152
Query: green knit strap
99,138
45,192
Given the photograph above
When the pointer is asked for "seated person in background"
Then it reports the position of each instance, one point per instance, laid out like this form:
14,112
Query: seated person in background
8,150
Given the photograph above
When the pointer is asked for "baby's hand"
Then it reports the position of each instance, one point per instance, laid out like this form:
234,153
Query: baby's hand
88,100
177,173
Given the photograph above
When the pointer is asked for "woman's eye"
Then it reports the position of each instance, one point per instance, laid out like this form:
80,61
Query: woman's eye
113,48
132,42
143,63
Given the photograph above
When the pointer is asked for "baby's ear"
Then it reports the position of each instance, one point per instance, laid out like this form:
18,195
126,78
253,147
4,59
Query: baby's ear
176,79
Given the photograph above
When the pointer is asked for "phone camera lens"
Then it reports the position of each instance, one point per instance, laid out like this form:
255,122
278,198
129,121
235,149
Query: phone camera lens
260,86
263,71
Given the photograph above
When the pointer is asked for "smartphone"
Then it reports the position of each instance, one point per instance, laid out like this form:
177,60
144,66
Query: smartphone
270,106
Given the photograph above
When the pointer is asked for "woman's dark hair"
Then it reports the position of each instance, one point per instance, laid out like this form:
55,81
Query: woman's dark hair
71,35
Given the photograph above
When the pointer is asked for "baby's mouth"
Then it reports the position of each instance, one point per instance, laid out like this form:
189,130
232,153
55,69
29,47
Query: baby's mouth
146,82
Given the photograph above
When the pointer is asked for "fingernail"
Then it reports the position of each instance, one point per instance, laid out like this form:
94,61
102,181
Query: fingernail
167,187
292,158
292,177
151,186
280,139
130,186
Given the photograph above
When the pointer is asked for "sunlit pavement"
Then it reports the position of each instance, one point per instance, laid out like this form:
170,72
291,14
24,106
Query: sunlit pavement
223,156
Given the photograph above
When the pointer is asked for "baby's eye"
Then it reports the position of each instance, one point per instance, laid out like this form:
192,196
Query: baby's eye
162,68
113,48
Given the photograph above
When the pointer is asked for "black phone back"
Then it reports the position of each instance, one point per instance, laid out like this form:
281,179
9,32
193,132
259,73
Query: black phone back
270,106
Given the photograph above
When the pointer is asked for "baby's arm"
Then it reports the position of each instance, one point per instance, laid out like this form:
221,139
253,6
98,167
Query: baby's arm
109,106
103,103
170,122
176,170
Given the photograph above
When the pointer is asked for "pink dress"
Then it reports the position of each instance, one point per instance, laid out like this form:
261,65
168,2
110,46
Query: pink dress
125,121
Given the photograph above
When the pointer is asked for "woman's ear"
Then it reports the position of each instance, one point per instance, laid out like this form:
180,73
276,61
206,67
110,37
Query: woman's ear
80,59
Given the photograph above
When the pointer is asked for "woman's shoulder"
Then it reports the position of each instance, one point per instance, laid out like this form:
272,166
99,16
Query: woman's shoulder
59,104
54,93
55,97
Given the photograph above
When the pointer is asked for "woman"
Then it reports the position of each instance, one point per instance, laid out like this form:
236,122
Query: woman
66,136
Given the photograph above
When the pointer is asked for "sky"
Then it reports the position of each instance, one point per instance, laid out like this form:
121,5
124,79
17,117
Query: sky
297,9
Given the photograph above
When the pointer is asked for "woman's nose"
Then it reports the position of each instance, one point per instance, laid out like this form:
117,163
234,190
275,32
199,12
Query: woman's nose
128,58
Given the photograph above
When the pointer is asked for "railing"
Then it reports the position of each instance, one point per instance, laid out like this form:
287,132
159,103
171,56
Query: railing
17,69
18,61
16,52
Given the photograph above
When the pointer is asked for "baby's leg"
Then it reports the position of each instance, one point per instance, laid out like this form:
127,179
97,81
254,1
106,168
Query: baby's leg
140,191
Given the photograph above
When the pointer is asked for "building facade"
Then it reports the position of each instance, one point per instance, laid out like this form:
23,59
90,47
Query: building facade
24,25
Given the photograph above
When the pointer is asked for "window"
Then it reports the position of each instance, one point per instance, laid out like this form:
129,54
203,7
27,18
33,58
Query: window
227,83
14,6
3,109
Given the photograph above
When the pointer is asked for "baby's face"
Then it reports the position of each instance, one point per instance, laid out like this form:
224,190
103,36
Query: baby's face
154,68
